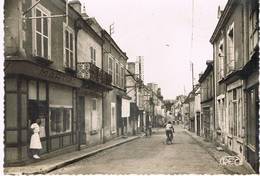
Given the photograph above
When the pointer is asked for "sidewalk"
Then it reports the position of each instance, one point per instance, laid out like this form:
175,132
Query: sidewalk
48,165
211,149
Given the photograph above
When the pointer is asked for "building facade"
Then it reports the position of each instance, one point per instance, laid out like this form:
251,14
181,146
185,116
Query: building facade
235,47
206,81
96,82
40,78
115,61
197,112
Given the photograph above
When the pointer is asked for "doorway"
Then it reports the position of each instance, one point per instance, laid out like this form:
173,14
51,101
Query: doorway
252,146
198,123
81,117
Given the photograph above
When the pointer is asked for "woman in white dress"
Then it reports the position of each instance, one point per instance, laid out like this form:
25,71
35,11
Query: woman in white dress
35,144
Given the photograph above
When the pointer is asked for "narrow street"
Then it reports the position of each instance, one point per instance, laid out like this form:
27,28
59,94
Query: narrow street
149,155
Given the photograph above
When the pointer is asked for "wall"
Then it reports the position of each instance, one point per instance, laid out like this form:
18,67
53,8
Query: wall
85,41
94,138
110,97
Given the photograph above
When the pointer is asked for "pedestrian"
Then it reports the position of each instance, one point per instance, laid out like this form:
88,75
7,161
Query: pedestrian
35,143
169,130
150,128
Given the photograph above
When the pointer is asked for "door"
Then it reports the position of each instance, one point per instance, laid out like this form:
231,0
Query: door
198,123
38,109
120,129
81,117
252,146
206,112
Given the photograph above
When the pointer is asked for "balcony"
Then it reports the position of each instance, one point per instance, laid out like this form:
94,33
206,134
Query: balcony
92,73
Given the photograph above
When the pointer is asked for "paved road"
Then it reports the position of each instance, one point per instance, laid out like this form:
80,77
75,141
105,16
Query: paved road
149,156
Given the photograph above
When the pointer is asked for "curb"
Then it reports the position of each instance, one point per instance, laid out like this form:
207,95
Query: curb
213,155
70,161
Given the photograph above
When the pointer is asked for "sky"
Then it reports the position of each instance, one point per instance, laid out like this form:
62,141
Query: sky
161,32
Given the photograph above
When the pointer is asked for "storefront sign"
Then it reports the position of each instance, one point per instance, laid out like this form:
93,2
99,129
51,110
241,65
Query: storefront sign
28,68
55,76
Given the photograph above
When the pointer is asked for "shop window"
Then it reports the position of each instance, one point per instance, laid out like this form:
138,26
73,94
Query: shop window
41,33
68,47
42,91
37,103
32,90
60,120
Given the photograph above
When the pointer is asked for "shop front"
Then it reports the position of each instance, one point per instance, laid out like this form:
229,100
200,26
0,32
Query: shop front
250,73
37,92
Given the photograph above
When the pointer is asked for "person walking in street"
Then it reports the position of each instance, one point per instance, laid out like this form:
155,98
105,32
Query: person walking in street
169,132
150,128
35,143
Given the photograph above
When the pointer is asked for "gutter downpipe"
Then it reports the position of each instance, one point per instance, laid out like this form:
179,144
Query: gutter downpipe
77,100
103,98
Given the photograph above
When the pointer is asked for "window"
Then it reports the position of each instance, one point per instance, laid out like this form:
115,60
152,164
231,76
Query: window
122,77
230,49
253,26
221,61
68,56
60,119
117,73
32,90
110,67
41,32
94,115
42,91
93,55
235,112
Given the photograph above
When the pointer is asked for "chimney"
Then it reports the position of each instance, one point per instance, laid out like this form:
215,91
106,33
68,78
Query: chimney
84,14
219,12
208,62
76,5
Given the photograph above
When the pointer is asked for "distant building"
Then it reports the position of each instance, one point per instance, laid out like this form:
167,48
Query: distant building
139,67
206,81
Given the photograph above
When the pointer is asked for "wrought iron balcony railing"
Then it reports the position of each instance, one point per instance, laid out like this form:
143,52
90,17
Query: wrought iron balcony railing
89,71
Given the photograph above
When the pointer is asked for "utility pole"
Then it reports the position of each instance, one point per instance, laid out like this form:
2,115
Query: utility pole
192,75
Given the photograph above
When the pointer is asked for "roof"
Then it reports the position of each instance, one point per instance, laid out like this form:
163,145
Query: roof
223,18
207,71
108,36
